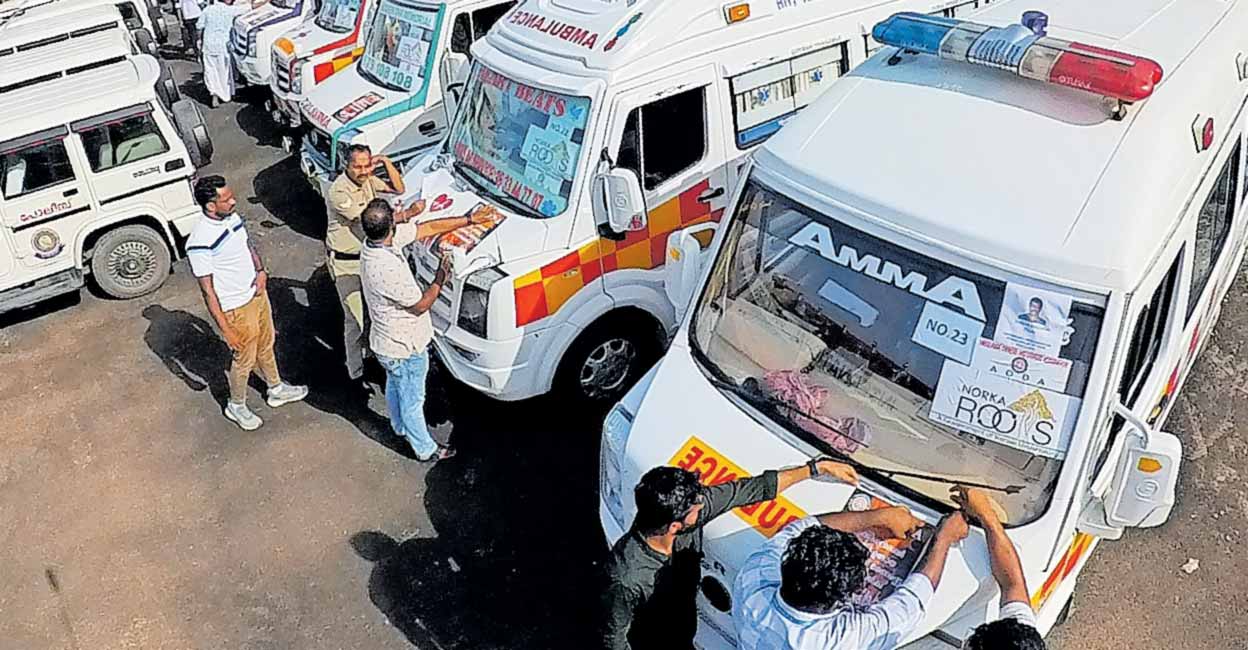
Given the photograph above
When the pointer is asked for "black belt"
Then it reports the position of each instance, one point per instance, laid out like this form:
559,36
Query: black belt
344,257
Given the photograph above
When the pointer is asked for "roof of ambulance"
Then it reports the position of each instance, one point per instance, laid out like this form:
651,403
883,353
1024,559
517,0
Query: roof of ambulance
986,161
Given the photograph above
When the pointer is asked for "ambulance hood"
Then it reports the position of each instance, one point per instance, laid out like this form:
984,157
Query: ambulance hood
265,16
308,37
515,238
687,422
345,97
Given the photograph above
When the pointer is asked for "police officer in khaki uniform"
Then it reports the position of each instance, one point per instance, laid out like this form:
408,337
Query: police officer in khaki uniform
348,195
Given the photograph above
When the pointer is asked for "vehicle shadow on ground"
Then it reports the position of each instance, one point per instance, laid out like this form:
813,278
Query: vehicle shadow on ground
40,309
516,559
308,321
282,189
193,88
255,121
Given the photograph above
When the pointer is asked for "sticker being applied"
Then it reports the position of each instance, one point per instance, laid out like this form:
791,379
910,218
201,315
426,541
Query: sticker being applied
1016,415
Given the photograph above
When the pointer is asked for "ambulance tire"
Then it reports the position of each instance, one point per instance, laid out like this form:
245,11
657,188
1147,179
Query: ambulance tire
194,132
144,40
130,261
609,357
167,86
1064,615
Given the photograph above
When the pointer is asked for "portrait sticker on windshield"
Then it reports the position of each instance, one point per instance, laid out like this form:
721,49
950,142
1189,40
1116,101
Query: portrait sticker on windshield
1034,319
1024,417
1024,366
947,333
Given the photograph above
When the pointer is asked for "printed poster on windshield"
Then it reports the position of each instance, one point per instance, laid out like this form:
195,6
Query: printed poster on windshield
398,49
1012,413
1034,319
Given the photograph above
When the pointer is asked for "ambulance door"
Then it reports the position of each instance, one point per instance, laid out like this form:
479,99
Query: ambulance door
46,199
670,133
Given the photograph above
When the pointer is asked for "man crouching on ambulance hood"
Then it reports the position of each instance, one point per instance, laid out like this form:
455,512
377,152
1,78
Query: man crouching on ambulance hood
654,569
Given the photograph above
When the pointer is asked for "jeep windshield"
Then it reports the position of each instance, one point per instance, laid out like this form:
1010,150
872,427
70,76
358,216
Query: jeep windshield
403,41
897,360
338,16
517,144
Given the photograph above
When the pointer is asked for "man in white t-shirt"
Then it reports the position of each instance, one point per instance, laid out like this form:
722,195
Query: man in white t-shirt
1015,629
233,281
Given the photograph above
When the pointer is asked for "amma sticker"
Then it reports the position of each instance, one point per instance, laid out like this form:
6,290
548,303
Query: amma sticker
1014,414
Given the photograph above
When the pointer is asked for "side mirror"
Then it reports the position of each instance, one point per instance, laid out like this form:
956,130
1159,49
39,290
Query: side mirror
618,201
454,74
686,256
1141,494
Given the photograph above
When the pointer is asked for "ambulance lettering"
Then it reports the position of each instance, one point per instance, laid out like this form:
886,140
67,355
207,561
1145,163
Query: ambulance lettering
953,290
356,107
315,114
561,30
713,468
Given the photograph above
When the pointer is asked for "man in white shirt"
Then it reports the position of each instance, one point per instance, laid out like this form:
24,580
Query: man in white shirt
399,312
233,282
1015,629
215,23
190,10
795,592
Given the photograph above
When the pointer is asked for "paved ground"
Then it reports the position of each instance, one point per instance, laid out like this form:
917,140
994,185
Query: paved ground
136,517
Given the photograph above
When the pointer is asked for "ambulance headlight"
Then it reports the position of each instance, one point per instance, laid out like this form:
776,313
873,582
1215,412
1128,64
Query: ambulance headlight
615,432
474,302
251,44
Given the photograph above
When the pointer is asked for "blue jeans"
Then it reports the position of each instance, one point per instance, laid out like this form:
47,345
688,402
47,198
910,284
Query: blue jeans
405,397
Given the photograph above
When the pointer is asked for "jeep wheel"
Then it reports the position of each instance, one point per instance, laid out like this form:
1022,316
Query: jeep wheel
144,40
130,261
193,131
167,86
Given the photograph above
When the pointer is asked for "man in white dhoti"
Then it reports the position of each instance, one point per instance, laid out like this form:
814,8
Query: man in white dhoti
214,29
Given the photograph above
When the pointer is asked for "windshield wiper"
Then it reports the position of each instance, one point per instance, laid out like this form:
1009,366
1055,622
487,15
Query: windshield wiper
774,407
506,199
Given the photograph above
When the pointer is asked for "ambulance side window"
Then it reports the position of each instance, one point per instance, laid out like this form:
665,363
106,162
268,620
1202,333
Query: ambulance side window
1213,225
471,27
665,137
35,165
1148,336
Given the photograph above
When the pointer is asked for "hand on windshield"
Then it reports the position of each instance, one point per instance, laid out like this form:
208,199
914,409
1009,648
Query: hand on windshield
897,521
839,471
977,505
414,210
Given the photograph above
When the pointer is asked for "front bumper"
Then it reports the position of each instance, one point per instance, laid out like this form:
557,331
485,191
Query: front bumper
252,71
286,108
505,370
316,171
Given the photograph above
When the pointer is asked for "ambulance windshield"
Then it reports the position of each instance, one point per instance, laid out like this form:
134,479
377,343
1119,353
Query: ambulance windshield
902,362
399,49
338,15
517,144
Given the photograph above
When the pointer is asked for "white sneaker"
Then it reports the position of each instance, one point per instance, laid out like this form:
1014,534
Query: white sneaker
242,416
285,394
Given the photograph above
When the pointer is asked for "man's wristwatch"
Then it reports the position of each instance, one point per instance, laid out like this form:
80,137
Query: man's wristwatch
813,466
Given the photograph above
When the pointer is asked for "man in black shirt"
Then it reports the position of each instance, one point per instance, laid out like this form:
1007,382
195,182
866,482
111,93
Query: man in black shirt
654,569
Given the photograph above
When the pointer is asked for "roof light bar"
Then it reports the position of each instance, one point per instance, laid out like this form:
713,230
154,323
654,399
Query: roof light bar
1025,51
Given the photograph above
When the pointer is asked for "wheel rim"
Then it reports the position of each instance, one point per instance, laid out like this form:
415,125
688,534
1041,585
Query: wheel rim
132,264
607,367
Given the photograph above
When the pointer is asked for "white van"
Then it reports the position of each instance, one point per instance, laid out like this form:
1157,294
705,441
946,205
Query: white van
143,17
315,51
663,99
94,179
391,98
254,33
1004,288
53,47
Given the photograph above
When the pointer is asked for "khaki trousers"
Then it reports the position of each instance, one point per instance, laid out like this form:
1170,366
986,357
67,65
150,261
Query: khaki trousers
254,324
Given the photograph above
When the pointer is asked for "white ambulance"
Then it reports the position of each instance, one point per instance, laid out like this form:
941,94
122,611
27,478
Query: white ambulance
985,257
391,98
314,51
254,33
657,99
143,17
35,51
94,179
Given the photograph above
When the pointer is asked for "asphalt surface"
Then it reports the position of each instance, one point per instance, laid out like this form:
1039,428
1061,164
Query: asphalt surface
135,516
